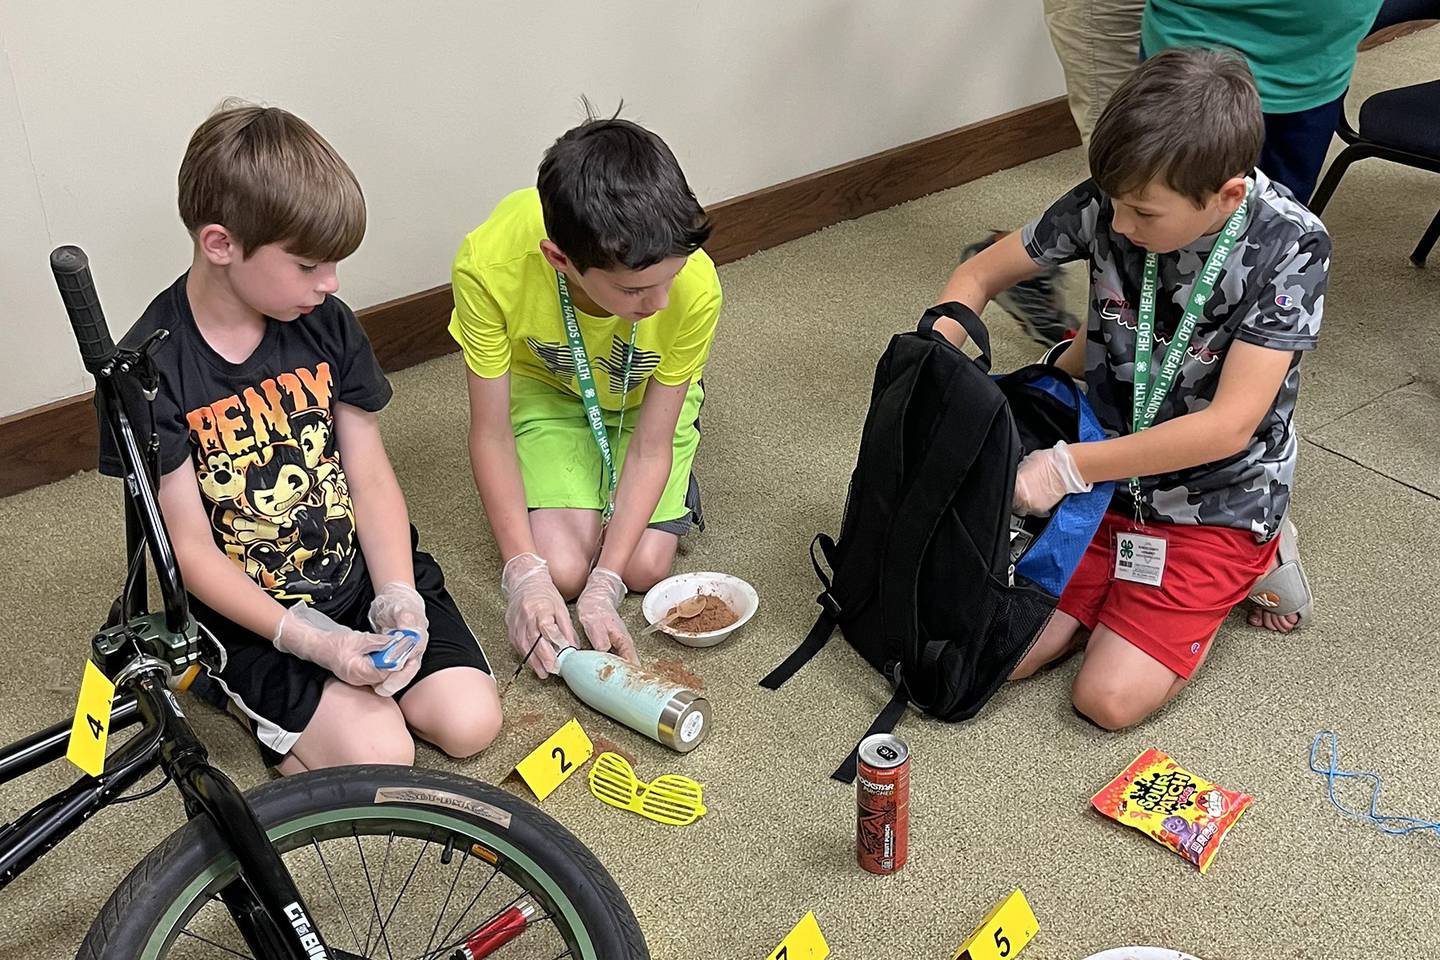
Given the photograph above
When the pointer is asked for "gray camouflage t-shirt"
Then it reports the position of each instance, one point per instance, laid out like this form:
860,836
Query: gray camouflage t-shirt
1271,293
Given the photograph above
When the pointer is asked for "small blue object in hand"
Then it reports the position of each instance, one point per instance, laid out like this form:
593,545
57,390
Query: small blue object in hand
394,655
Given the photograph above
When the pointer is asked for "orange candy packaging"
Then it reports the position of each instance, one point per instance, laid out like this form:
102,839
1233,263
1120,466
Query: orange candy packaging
1156,795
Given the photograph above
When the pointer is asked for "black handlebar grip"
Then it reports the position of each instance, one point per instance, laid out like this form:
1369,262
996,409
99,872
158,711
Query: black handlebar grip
77,288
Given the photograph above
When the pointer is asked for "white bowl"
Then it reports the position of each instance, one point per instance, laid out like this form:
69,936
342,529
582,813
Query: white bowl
1140,953
739,595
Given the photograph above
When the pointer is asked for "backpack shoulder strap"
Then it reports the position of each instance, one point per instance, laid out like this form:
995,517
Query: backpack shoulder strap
824,624
958,442
818,636
879,458
884,723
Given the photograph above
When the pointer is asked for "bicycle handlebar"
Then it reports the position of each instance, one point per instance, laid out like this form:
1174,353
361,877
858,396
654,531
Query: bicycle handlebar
77,288
143,519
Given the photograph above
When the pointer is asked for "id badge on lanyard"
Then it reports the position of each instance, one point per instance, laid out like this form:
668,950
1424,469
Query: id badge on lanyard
590,397
1140,554
1140,557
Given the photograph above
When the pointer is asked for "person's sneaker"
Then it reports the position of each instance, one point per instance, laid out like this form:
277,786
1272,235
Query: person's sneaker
1034,302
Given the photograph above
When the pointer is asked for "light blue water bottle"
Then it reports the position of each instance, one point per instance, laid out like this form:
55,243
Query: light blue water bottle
665,711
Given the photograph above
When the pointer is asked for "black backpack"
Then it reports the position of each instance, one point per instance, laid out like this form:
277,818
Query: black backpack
930,583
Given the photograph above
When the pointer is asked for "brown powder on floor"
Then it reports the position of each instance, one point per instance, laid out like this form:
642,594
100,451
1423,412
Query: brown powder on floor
603,745
716,616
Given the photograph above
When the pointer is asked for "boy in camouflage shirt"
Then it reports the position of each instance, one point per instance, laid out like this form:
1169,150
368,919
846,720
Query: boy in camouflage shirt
1186,242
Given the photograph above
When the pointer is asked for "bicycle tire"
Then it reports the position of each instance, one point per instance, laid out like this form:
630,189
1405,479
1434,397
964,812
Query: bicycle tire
149,909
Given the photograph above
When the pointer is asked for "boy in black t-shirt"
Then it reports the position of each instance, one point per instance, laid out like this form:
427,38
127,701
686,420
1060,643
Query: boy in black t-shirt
289,527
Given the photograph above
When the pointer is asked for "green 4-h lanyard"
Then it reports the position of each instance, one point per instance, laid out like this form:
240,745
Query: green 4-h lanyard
1148,394
588,395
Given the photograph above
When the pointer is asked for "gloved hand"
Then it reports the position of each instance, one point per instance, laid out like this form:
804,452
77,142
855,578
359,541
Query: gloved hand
1044,477
534,609
310,635
399,606
599,612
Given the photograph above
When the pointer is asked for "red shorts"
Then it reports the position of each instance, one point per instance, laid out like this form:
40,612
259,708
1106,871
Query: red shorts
1207,571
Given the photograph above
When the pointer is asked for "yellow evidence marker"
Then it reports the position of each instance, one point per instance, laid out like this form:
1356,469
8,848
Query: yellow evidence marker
1003,933
551,763
805,942
91,727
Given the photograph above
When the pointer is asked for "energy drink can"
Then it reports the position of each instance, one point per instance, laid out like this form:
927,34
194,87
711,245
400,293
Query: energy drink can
882,833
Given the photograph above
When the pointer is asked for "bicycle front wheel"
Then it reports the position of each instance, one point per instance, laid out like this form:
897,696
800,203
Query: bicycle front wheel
393,862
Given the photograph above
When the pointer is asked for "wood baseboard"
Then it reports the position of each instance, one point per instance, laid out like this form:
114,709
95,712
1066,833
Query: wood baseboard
47,443
50,442
792,209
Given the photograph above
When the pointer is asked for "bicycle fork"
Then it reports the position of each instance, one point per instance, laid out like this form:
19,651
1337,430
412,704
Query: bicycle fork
263,900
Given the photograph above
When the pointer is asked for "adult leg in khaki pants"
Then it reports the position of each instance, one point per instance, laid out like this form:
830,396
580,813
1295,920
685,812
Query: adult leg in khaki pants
1098,43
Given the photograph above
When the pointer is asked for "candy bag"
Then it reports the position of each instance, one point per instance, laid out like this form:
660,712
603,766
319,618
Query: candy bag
1157,796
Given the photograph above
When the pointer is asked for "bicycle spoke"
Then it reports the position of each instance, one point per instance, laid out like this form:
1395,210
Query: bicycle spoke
380,893
218,946
374,900
485,905
494,872
445,948
464,858
558,932
405,886
354,936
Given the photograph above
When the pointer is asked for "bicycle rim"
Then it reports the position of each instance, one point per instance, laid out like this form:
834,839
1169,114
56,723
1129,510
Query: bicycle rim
373,832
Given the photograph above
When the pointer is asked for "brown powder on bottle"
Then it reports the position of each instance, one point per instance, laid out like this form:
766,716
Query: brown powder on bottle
676,672
716,616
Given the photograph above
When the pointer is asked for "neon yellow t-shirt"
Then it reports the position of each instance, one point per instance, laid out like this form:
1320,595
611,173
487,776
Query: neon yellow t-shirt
507,314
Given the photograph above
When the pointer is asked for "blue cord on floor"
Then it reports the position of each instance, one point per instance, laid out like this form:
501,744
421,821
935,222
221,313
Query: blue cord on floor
1389,823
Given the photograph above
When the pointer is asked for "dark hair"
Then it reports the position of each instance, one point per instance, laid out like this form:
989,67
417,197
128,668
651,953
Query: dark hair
1188,118
613,195
266,176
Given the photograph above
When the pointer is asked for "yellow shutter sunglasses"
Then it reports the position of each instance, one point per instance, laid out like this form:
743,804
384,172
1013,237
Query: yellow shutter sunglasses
669,798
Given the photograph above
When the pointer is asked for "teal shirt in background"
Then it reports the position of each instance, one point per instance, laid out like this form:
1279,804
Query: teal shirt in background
1302,52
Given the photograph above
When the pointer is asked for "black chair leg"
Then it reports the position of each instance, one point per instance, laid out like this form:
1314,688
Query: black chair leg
1427,242
1326,190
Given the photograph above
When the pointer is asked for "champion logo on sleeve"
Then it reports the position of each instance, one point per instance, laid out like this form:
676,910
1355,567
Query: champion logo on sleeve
1284,301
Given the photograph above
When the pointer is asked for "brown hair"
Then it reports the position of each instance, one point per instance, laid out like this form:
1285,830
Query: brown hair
1188,118
266,176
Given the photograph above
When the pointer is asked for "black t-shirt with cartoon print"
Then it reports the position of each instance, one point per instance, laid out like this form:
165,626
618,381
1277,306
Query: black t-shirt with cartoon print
261,435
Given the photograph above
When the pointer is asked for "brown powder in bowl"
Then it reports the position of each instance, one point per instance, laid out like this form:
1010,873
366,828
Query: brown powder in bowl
716,616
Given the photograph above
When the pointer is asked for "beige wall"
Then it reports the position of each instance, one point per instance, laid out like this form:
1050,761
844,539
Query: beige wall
442,108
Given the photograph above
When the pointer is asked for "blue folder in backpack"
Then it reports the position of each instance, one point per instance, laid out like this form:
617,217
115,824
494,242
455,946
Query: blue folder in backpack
1052,558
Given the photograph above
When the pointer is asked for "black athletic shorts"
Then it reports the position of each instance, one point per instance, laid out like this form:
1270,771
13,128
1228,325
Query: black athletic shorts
278,693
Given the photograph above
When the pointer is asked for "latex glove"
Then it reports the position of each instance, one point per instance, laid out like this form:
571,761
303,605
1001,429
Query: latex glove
535,609
310,635
1045,477
599,612
399,606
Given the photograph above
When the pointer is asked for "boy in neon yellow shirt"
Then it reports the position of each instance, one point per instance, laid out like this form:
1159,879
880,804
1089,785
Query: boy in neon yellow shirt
585,310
